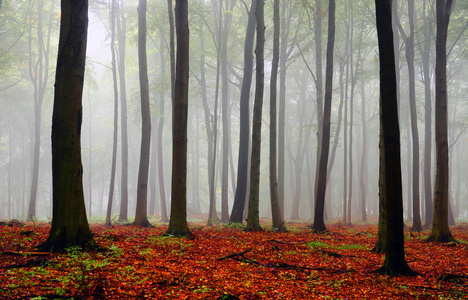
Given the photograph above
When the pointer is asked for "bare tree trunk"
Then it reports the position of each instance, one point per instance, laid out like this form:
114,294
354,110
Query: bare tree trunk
253,220
278,222
178,223
122,29
242,165
319,224
141,217
69,222
390,189
113,5
440,227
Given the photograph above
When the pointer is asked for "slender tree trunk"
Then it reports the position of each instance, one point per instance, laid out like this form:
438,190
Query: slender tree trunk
162,186
178,223
141,217
113,5
363,168
278,222
244,133
122,29
427,122
319,224
440,226
253,218
319,84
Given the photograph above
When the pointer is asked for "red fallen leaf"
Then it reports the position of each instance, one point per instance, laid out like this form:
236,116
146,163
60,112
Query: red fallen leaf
140,263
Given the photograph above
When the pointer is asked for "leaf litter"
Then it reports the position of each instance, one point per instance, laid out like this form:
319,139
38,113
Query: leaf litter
222,262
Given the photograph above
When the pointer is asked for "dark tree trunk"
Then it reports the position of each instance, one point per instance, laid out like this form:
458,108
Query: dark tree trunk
243,160
390,187
253,218
178,223
141,217
440,225
69,222
278,222
319,224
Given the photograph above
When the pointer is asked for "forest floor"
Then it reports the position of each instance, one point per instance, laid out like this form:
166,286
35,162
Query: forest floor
223,262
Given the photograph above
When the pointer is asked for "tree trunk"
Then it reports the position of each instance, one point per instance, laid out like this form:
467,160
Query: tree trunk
390,187
69,222
319,224
178,222
253,218
427,122
116,113
278,222
141,217
440,226
122,29
162,186
242,165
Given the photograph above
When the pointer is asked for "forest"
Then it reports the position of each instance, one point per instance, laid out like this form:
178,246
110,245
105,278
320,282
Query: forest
233,149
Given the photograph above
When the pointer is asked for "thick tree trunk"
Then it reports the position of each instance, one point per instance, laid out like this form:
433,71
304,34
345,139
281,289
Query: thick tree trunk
390,187
69,222
178,223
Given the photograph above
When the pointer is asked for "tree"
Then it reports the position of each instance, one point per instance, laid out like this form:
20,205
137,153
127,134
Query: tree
409,51
278,222
116,111
121,29
69,222
390,186
39,75
440,227
253,218
178,221
141,217
242,166
319,224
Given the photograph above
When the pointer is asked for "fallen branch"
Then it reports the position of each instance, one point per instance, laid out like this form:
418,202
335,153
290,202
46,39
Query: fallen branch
22,253
240,256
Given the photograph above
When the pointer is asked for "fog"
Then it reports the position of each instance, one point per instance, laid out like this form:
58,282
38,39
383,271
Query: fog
27,69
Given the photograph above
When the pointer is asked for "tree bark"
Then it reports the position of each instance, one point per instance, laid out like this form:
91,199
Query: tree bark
122,29
242,165
253,218
113,5
278,222
319,224
390,187
141,217
69,222
440,226
178,222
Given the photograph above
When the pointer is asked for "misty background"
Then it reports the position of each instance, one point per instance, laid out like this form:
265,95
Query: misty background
27,67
